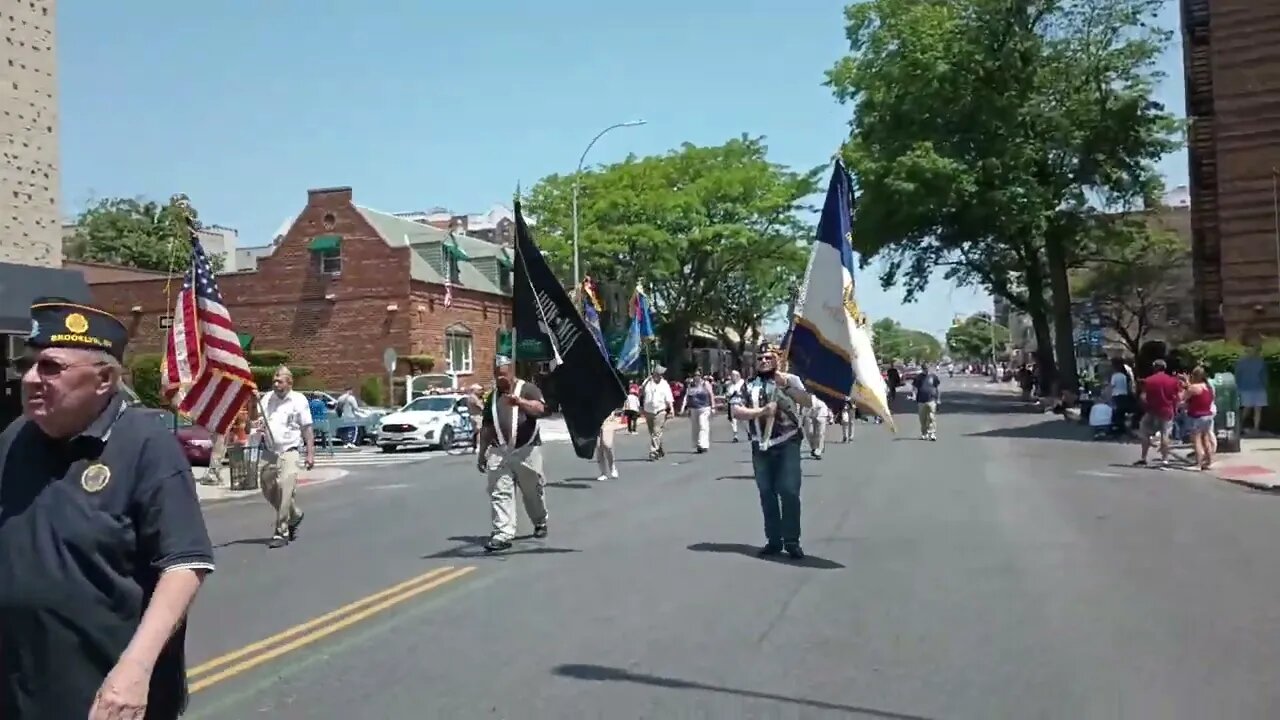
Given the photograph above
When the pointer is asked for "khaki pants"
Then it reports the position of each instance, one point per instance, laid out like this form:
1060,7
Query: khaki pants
655,422
928,412
700,427
508,469
216,456
604,449
279,481
817,432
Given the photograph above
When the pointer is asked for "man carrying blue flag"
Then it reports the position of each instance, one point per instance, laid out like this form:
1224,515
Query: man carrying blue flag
771,405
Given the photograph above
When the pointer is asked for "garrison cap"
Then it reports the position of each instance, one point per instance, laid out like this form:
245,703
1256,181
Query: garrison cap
58,322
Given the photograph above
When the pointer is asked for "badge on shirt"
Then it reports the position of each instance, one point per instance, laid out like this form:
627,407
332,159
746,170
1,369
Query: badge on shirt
95,478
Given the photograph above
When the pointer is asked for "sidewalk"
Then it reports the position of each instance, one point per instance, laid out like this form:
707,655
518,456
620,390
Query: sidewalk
211,494
1257,465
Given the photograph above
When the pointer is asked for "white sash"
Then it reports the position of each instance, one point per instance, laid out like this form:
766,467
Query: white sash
515,416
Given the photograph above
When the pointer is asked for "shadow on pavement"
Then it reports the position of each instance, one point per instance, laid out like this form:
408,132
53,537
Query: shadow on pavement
1053,429
601,673
577,483
473,547
753,477
244,541
810,561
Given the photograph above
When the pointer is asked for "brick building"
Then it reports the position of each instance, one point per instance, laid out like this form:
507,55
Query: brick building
29,220
344,283
1232,57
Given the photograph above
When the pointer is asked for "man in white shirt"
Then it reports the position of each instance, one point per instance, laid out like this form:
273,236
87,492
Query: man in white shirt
285,416
816,418
657,402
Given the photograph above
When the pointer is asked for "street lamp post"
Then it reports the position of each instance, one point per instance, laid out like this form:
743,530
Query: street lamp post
577,276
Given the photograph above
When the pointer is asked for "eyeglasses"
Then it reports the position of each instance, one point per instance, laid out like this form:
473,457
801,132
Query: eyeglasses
47,367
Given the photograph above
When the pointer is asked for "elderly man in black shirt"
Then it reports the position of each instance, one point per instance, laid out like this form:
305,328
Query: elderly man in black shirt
102,543
511,455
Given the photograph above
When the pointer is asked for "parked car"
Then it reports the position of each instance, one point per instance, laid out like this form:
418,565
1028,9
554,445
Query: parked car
197,442
434,421
365,419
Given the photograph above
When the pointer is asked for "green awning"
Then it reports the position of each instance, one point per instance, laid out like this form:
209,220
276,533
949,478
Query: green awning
246,341
526,349
325,243
456,252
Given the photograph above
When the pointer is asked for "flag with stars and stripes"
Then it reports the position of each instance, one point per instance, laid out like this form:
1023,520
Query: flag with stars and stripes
206,375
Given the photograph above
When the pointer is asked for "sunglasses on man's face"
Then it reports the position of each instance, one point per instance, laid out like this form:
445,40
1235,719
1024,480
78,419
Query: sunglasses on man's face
47,367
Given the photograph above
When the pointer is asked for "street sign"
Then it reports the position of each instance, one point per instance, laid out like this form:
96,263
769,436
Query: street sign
389,359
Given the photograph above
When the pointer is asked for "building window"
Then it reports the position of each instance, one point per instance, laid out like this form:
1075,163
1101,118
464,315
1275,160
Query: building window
504,279
328,249
454,273
457,348
331,262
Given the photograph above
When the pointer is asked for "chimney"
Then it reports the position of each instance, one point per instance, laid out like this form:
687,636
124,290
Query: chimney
329,195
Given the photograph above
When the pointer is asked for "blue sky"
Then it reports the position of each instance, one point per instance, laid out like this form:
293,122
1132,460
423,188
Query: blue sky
244,104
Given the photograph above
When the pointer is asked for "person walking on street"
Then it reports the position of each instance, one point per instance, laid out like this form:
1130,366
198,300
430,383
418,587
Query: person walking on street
510,454
604,450
1160,395
816,418
771,406
103,545
658,403
698,399
631,408
284,432
345,407
733,396
926,389
846,420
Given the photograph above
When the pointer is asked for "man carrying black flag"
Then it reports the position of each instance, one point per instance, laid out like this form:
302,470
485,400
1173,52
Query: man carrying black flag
582,380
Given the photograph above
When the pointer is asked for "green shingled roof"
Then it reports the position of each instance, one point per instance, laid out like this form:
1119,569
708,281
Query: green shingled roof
427,259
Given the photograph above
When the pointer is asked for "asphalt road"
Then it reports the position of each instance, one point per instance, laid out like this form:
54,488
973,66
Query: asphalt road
1010,570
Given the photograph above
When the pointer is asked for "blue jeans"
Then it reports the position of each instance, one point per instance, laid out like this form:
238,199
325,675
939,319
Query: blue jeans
777,472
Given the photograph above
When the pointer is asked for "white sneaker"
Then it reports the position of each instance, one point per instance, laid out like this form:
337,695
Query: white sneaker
613,475
602,478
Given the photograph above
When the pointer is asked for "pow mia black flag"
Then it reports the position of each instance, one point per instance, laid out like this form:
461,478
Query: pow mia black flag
582,379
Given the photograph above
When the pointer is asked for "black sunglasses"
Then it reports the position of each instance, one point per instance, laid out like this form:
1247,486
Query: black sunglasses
49,367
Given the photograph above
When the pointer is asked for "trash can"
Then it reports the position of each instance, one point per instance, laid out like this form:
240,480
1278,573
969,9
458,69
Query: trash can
243,461
1226,424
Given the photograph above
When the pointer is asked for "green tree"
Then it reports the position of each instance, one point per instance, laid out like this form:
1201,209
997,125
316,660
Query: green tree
895,343
986,133
976,337
135,233
714,233
1127,286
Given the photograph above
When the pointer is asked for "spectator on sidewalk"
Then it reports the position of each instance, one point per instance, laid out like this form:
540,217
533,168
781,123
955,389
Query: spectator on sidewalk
1161,393
1251,381
1200,409
1124,398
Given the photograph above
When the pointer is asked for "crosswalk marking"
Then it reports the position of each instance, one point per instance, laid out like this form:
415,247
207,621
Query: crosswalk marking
373,457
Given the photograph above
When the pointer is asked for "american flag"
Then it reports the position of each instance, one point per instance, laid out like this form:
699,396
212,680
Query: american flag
206,376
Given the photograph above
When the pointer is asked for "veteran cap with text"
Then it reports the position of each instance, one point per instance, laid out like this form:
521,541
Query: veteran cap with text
57,322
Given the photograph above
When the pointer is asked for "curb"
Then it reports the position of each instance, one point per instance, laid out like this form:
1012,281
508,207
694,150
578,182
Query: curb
257,492
1251,476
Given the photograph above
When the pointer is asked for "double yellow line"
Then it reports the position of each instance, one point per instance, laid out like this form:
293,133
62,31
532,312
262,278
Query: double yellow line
250,656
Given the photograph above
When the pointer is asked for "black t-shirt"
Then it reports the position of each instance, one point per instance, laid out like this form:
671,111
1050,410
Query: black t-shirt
87,526
526,425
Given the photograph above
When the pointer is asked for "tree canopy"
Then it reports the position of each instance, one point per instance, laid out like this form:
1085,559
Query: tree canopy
1127,287
714,233
977,337
987,135
136,233
895,343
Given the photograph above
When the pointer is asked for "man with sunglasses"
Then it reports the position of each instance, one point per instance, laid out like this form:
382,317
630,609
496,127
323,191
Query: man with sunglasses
771,406
102,543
